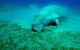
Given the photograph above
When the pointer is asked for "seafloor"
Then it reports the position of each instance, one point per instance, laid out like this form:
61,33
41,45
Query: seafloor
14,37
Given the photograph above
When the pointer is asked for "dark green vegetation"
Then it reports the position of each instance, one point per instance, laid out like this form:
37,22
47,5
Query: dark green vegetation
14,37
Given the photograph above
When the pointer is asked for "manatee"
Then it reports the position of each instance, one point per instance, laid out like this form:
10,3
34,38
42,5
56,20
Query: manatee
48,15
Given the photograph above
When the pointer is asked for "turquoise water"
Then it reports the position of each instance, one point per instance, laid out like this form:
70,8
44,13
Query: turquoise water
16,10
16,18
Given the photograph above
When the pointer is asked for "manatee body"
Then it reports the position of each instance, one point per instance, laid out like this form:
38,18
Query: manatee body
49,15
